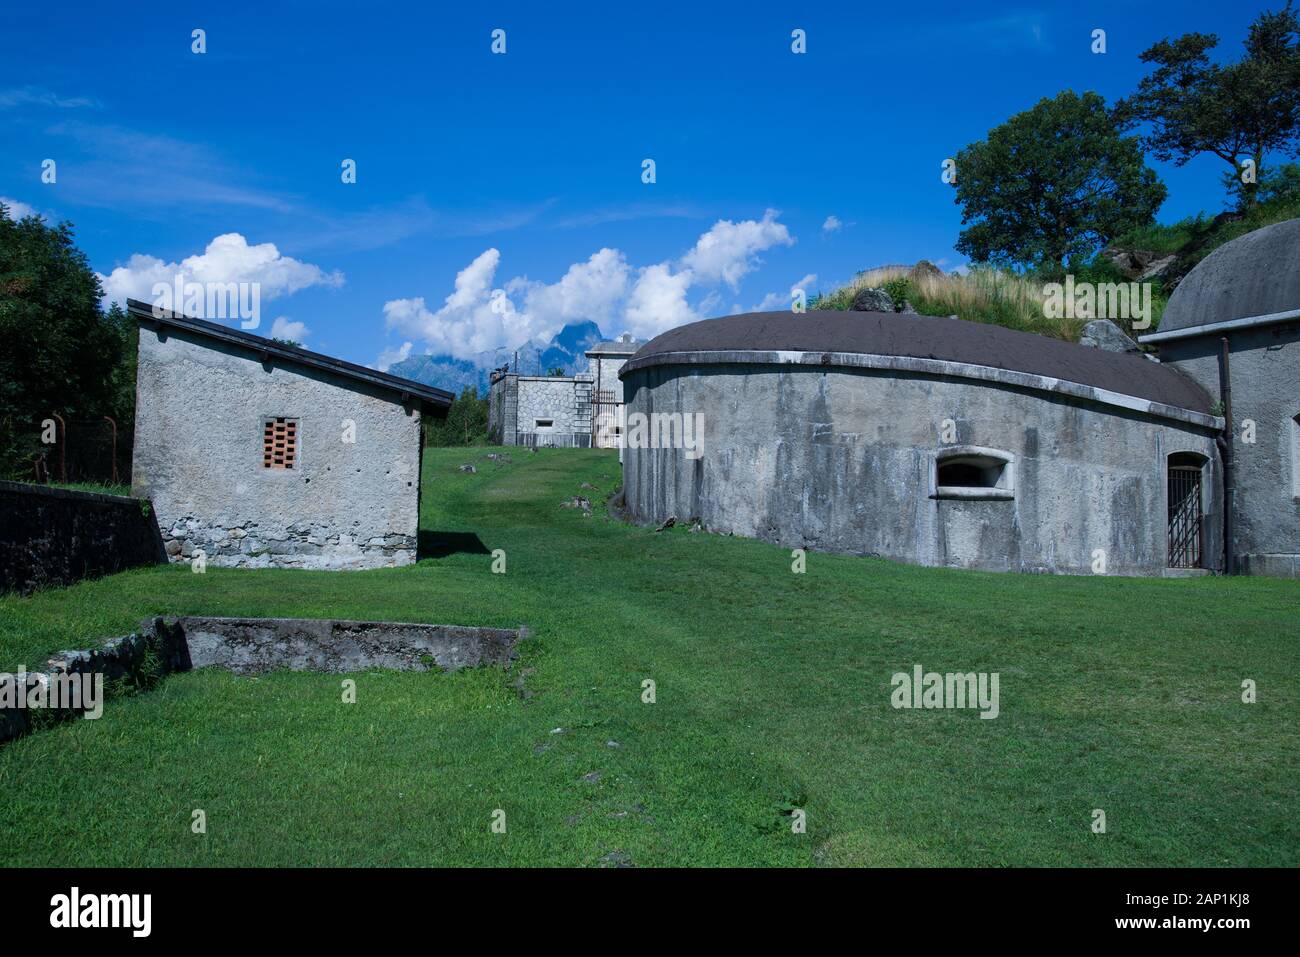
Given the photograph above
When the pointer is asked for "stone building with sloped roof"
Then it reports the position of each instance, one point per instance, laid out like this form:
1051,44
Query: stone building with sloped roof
256,453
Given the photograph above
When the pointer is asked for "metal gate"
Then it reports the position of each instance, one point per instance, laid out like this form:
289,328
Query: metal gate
83,451
1185,532
606,429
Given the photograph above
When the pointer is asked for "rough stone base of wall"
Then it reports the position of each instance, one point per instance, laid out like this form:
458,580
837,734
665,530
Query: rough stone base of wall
1270,566
300,545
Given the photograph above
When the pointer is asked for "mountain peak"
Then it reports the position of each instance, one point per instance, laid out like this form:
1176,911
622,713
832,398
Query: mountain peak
564,351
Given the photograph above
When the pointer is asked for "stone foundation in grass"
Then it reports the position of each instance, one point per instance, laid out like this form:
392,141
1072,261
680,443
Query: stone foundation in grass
249,646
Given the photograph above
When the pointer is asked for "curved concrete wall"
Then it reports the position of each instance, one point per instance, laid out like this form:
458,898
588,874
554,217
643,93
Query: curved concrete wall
843,459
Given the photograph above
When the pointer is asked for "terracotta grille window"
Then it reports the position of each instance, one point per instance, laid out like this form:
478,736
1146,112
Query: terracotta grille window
279,443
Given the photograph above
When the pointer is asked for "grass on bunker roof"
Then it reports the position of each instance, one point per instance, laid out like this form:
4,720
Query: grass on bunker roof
772,692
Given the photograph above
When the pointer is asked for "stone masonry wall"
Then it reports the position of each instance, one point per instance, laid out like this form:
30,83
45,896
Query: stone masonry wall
198,454
52,536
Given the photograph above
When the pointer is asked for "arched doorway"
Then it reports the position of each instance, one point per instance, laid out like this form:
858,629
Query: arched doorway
1186,527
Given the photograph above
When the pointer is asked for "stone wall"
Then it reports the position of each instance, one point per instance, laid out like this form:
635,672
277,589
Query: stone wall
605,371
503,409
200,409
546,398
1265,366
843,459
258,645
51,537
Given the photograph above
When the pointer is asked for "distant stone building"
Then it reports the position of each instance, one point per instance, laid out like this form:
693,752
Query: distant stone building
256,453
561,411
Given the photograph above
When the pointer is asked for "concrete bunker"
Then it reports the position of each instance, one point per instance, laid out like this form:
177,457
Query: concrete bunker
929,440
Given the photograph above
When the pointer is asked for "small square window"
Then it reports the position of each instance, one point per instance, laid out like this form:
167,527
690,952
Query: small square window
543,423
279,443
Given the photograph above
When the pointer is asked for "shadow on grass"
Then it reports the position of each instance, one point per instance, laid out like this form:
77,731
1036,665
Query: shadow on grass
432,544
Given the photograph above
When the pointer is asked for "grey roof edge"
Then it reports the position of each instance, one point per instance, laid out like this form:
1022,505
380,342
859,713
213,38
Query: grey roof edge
1227,325
620,348
943,367
145,313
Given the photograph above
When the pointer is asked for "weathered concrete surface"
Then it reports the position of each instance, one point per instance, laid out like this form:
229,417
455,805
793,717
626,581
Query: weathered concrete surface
51,536
842,457
257,645
200,410
1265,366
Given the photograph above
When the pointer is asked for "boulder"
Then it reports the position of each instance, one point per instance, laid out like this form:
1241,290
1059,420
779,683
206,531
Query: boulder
871,299
1104,334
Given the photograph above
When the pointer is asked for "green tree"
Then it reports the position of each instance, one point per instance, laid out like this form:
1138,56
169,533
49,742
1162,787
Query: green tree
1053,182
466,422
1238,111
58,351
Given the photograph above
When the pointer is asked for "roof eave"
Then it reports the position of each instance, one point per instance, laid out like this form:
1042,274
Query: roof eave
407,391
942,367
1228,325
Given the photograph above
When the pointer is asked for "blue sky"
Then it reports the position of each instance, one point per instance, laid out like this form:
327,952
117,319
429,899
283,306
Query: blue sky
515,171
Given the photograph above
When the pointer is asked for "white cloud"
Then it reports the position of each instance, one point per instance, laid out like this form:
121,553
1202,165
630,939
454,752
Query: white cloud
729,250
658,301
390,357
35,96
778,300
832,224
286,328
588,290
16,209
481,313
228,258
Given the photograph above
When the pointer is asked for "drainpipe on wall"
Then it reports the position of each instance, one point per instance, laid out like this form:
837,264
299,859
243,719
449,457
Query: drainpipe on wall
1226,450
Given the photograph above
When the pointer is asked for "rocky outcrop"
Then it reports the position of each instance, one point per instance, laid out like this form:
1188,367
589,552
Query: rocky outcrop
1104,334
1142,265
924,269
872,299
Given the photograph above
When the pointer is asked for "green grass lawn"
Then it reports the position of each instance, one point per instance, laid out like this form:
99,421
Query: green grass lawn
772,692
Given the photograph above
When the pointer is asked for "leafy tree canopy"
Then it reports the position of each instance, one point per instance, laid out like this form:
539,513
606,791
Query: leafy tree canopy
466,422
58,351
1054,182
1238,111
